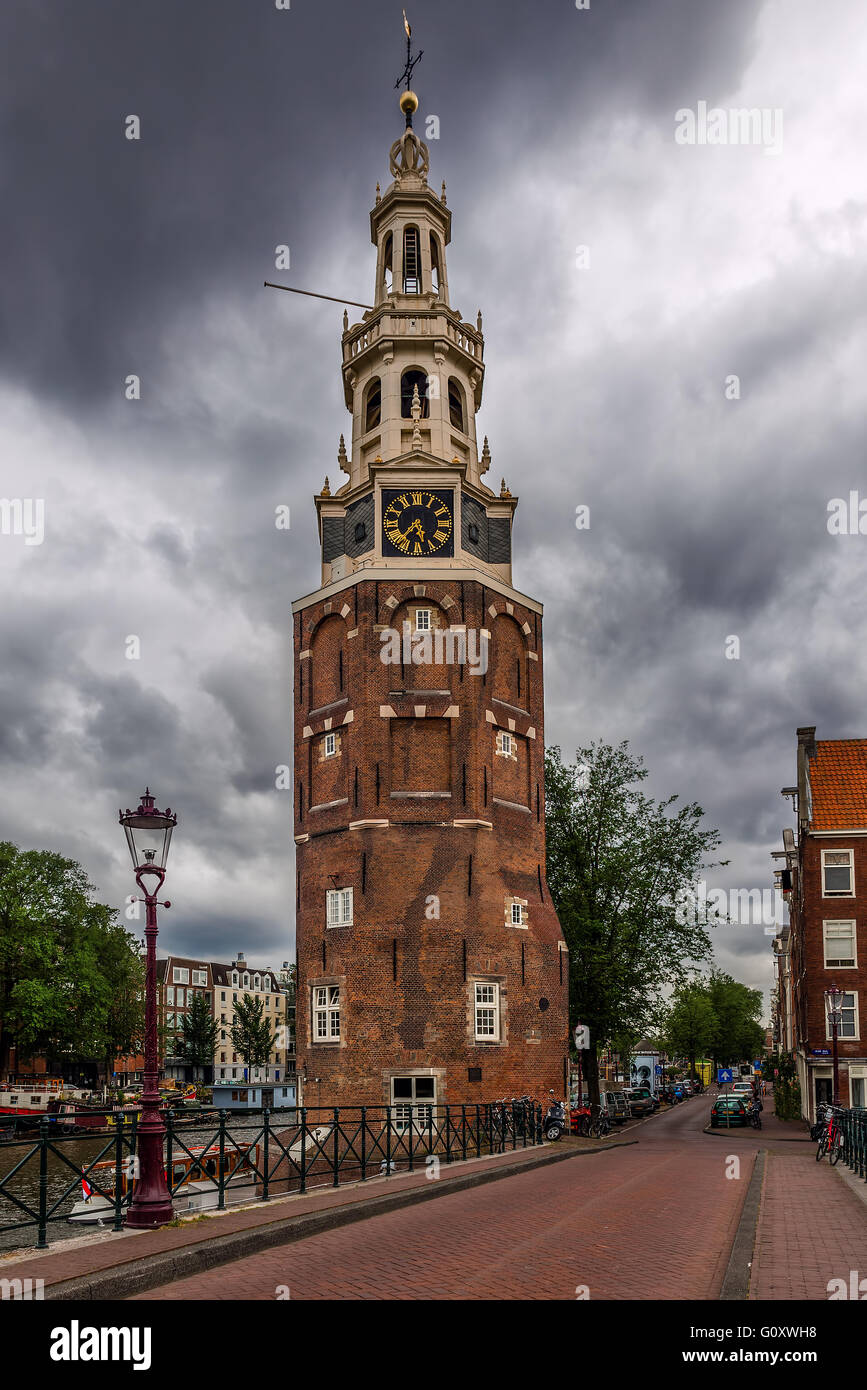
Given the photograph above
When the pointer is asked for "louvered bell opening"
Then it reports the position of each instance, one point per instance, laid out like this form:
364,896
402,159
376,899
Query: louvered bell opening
411,261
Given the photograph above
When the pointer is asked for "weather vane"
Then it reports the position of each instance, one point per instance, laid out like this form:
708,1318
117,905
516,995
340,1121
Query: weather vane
406,75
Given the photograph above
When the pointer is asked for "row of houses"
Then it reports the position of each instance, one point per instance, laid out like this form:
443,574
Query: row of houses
180,979
822,874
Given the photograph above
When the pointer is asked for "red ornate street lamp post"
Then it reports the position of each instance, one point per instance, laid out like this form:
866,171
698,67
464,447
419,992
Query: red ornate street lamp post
148,834
834,996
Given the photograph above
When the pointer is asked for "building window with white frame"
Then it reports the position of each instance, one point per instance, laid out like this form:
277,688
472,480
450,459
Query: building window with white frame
413,1099
840,945
331,745
200,977
170,994
326,1013
517,915
849,1025
338,907
422,620
837,873
487,1011
180,975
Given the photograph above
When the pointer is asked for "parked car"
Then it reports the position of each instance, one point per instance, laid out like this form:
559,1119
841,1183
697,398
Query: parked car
728,1110
618,1107
648,1095
638,1105
742,1088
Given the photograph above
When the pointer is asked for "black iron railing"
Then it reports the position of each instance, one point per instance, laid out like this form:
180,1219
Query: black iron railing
238,1157
854,1126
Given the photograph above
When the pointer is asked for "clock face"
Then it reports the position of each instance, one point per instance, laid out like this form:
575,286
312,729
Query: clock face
417,522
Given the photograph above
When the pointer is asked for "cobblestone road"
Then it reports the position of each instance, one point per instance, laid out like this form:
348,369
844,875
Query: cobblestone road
655,1220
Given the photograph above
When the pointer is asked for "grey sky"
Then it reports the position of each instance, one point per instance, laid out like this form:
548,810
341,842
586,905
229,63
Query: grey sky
605,386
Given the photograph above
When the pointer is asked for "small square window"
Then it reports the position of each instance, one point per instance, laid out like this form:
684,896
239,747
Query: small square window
422,620
506,744
338,903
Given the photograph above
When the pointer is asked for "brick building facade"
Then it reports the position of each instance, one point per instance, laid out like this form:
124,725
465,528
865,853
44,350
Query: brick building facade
431,964
825,942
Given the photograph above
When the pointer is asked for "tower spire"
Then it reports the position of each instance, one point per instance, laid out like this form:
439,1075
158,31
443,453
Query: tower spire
409,100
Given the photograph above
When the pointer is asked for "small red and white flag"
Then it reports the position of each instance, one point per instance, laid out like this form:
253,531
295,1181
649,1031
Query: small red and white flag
86,1188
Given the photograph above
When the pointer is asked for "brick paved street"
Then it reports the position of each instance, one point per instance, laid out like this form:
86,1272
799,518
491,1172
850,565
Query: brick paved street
655,1220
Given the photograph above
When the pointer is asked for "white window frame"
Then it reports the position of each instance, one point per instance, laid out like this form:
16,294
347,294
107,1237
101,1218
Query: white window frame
325,1004
838,962
415,1112
423,619
838,892
180,975
338,907
330,745
841,1036
517,909
235,978
505,744
170,994
486,1002
200,977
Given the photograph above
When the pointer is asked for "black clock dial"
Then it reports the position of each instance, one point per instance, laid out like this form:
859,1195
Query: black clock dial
417,522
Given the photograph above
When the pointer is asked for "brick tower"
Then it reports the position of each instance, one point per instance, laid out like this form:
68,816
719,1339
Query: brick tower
431,964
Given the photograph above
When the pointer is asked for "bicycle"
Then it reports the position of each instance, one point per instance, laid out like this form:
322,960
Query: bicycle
600,1125
831,1140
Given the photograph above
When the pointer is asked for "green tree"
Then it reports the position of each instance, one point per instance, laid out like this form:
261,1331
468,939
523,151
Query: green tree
251,1034
739,1036
67,969
691,1025
619,865
199,1033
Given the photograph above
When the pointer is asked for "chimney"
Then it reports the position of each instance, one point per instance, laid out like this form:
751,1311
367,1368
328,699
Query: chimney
806,750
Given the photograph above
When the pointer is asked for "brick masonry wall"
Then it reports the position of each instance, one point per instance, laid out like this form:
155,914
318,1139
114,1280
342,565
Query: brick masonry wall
816,910
406,973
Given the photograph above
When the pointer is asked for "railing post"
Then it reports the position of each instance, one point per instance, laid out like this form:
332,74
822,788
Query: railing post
514,1126
170,1120
267,1132
221,1199
387,1140
336,1146
42,1231
119,1175
363,1143
303,1187
490,1128
478,1133
410,1107
464,1132
448,1134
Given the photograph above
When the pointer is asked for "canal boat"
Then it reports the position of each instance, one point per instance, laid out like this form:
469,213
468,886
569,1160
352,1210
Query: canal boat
194,1180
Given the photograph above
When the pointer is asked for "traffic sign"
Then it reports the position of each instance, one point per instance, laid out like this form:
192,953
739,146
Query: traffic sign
657,1070
724,1075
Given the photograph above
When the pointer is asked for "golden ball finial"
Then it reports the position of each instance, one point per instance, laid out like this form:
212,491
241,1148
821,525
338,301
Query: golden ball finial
408,103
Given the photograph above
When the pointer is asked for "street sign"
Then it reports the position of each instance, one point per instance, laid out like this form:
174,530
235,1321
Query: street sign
724,1075
820,1052
657,1070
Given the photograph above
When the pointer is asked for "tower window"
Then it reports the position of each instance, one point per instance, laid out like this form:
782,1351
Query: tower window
517,915
422,620
387,256
330,745
434,264
339,907
456,405
487,1012
326,1013
408,382
411,261
373,405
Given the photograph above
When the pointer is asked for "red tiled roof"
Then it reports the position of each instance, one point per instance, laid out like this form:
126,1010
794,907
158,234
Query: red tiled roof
838,782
